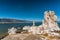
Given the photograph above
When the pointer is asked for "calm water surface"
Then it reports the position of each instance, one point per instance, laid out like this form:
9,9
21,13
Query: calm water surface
4,27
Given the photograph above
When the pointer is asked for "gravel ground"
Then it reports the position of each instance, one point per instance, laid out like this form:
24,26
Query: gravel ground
30,37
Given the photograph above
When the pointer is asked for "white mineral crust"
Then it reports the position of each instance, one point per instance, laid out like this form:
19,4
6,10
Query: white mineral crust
12,31
49,24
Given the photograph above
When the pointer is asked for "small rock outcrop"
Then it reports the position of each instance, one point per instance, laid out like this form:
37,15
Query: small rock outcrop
12,31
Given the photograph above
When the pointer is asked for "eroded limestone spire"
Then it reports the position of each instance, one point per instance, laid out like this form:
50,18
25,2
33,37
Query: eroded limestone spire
50,20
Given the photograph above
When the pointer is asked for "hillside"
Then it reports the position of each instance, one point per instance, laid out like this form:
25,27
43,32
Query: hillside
5,20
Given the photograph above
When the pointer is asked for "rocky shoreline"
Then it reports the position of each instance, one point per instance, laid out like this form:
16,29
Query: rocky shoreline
48,30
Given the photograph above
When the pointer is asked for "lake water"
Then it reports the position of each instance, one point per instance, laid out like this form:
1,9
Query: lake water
4,27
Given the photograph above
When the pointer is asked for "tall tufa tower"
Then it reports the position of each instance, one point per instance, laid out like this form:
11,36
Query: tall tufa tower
33,23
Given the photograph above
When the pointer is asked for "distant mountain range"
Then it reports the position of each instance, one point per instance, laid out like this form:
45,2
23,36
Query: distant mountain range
5,20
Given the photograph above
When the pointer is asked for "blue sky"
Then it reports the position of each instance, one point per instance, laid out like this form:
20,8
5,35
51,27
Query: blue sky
28,9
